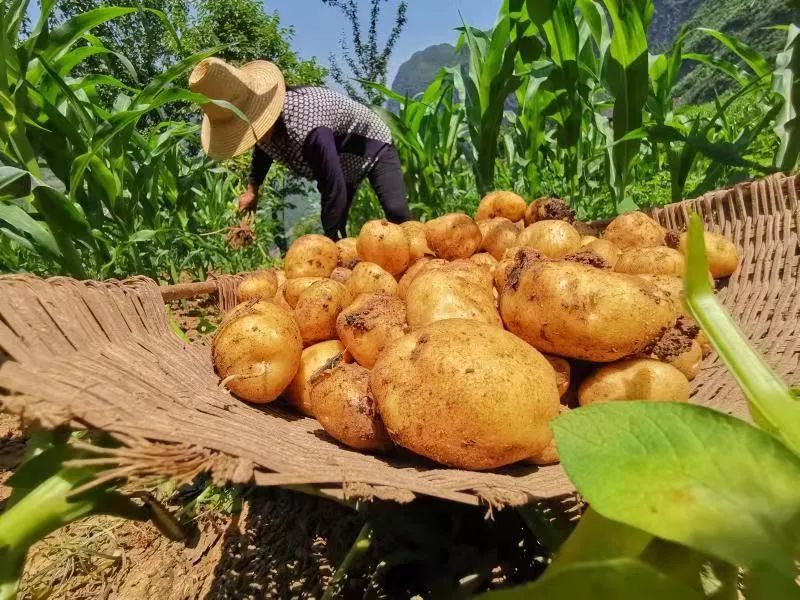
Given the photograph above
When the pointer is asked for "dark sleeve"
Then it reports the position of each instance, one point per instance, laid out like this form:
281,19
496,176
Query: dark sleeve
320,152
259,166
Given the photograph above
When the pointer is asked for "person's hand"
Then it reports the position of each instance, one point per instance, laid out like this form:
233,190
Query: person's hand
248,201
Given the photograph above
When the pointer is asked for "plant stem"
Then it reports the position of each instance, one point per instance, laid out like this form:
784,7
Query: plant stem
359,548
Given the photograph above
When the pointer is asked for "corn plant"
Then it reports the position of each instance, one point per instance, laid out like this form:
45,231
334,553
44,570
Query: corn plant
683,497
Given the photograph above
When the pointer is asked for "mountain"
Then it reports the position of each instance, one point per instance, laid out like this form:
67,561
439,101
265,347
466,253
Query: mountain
745,19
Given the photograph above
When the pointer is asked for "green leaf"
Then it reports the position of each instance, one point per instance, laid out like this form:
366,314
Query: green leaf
786,83
757,63
62,37
143,235
771,402
23,223
620,579
686,474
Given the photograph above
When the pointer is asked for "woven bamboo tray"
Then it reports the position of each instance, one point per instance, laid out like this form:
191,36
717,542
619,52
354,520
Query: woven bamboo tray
101,355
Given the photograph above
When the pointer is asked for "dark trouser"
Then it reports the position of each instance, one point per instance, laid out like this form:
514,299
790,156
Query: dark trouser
386,178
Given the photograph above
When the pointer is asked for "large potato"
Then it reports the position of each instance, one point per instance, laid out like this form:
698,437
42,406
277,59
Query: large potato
413,271
314,361
294,288
262,285
578,311
549,456
317,310
348,253
498,236
652,261
311,256
485,261
605,250
513,258
386,245
639,379
369,278
723,257
370,324
417,237
549,209
507,205
465,269
554,239
257,353
343,404
453,236
341,274
441,294
635,230
466,394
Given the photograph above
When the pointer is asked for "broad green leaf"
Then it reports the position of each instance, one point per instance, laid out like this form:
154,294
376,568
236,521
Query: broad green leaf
62,37
143,235
771,402
786,83
23,223
754,60
686,474
620,579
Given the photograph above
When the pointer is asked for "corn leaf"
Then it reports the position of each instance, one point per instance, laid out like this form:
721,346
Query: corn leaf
786,83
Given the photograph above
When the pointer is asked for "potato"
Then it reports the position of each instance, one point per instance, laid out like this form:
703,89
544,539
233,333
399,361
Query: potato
578,311
498,236
412,272
652,261
605,250
280,276
386,245
341,275
554,239
549,209
280,299
311,256
464,269
438,294
723,257
588,239
453,236
370,324
343,404
466,394
639,379
502,204
510,260
317,310
417,237
635,230
262,285
485,261
348,253
563,373
295,287
672,287
257,354
369,278
313,362
689,362
549,456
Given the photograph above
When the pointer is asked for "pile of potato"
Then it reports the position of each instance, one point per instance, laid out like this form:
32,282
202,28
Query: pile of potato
461,339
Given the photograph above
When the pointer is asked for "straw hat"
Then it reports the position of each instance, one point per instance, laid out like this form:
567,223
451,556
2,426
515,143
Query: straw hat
257,89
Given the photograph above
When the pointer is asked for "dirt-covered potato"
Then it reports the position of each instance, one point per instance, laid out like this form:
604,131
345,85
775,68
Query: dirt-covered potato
549,209
578,311
369,278
639,379
563,372
465,269
485,260
466,394
723,257
438,294
605,250
341,274
317,310
652,261
370,324
453,236
311,256
689,362
257,354
417,237
386,245
295,287
413,271
499,235
554,239
635,230
672,287
502,204
343,404
503,268
314,361
348,253
262,285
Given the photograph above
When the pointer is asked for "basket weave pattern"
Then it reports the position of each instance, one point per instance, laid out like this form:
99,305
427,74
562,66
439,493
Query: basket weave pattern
101,355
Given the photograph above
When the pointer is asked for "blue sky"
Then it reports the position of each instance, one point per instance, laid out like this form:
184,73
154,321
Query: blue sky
319,27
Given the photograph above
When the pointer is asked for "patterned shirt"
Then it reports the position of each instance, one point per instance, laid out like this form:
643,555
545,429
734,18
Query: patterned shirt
315,121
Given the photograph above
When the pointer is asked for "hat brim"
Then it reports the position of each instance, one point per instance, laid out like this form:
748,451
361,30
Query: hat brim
222,139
